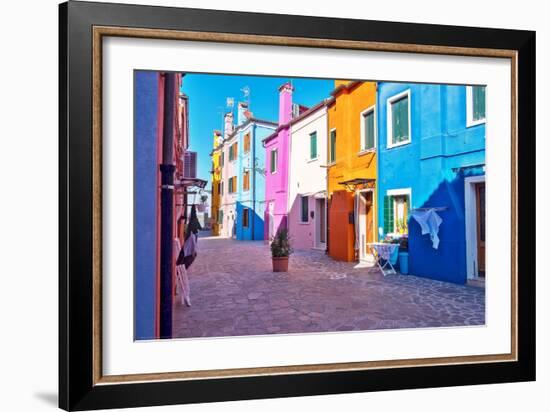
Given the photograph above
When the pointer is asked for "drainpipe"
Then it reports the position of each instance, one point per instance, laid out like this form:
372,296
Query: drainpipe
376,193
253,159
167,169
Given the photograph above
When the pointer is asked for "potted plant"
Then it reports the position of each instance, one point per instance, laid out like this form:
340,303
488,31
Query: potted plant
280,251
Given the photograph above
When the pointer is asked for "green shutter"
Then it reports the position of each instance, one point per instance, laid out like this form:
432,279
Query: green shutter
400,120
388,215
478,97
368,120
313,145
332,146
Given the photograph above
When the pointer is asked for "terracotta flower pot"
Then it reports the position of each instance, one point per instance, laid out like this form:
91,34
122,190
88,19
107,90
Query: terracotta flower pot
280,264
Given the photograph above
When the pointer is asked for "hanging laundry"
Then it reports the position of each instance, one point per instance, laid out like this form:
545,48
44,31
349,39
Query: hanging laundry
429,221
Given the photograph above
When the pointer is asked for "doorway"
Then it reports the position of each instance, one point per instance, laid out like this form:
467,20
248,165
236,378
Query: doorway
321,224
480,227
365,225
475,217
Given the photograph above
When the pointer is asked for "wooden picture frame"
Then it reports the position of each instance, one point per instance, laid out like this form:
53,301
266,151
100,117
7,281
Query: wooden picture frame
81,30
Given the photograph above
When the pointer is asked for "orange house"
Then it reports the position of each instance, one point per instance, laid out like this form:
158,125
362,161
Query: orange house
352,218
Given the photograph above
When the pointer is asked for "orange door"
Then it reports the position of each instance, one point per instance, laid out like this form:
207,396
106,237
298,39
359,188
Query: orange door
341,227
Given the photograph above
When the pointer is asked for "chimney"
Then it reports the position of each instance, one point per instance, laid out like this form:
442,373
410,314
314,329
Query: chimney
242,109
285,103
228,125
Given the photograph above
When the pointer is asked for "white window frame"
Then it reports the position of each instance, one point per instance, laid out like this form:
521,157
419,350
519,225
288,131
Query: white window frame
362,125
400,192
470,122
311,159
271,160
389,103
330,146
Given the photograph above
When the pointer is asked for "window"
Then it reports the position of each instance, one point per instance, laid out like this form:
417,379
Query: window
475,105
220,216
332,146
313,145
245,217
222,159
246,144
397,206
304,215
232,184
367,130
273,162
399,126
221,188
246,180
233,152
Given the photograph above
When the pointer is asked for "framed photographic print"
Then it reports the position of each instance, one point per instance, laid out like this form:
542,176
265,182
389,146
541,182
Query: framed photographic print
256,205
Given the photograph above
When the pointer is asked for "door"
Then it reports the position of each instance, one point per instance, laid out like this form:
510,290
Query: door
361,213
320,238
369,219
365,224
480,227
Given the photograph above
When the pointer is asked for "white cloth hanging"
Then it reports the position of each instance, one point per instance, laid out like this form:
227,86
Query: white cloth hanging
182,280
190,245
429,221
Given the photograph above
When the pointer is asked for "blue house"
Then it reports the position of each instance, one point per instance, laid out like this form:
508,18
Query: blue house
146,207
250,190
431,154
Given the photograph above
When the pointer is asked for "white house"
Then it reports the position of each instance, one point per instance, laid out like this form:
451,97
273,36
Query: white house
307,213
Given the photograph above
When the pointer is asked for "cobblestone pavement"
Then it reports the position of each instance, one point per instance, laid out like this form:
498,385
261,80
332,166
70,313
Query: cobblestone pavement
234,292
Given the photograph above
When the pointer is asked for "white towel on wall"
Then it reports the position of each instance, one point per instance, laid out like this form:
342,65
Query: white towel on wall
429,221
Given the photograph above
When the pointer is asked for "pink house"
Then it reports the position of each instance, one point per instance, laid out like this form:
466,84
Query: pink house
277,162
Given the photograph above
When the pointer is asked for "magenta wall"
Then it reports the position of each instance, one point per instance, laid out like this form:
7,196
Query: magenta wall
302,234
276,189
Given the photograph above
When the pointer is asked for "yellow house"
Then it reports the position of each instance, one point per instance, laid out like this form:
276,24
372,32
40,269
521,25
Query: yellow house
217,159
352,217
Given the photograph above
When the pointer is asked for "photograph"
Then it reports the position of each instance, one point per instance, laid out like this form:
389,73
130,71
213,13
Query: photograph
288,205
257,205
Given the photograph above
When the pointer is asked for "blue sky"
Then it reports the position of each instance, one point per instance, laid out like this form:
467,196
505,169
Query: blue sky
207,103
